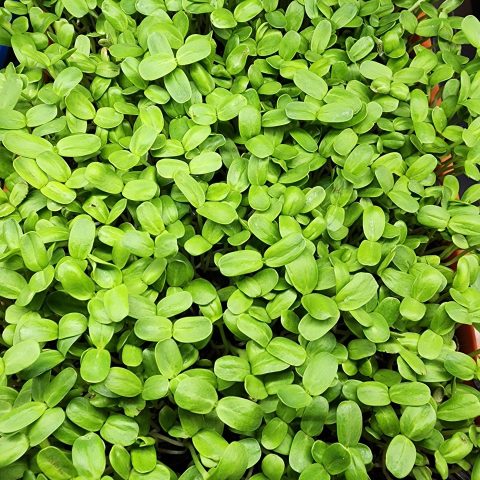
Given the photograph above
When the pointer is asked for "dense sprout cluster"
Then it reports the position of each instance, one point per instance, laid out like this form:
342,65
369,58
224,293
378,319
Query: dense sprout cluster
226,240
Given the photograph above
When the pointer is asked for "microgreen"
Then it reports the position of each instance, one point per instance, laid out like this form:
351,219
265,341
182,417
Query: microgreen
227,240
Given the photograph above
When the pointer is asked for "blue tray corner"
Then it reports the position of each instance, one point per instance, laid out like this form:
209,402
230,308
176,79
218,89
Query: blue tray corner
4,54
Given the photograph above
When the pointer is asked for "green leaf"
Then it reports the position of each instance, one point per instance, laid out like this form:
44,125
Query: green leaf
140,190
77,9
196,48
300,452
357,292
21,356
123,382
81,412
404,201
196,395
222,18
95,365
168,358
20,417
142,140
372,70
58,192
12,284
349,423
174,303
310,83
219,212
192,329
249,122
287,351
55,464
334,113
79,145
120,430
59,386
320,373
205,162
321,36
79,105
411,393
239,413
285,250
459,407
418,106
470,28
25,144
294,396
190,188
240,263
69,77
401,455
465,224
263,229
39,115
115,15
374,394
154,329
428,283
88,455
261,146
460,365
116,303
303,272
361,48
157,66
274,433
195,136
417,423
247,10
373,222
233,464
336,458
320,306
231,368
103,177
12,447
46,425
155,387
82,236
178,86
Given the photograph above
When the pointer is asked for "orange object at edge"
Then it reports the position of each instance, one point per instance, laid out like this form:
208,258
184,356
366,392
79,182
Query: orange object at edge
468,336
